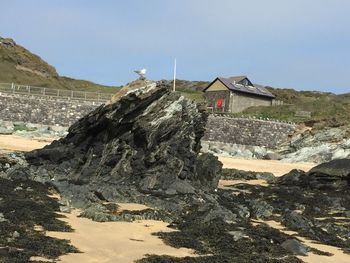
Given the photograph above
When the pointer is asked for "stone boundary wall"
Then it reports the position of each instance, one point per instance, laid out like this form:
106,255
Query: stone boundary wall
63,112
243,131
43,110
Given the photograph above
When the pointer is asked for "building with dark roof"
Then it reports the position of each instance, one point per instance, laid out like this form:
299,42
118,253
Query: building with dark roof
235,94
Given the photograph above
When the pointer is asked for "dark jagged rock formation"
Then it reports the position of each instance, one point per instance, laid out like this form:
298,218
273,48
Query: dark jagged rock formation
9,160
318,146
150,139
331,175
142,148
234,174
310,212
334,169
290,201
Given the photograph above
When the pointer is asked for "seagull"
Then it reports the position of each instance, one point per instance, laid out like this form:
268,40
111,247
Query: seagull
141,73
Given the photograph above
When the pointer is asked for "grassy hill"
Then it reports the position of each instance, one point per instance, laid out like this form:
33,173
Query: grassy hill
325,109
20,66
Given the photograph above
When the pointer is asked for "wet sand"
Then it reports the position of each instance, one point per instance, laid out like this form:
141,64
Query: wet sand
278,168
10,143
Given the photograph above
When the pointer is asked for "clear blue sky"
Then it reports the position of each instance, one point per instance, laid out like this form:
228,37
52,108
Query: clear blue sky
301,44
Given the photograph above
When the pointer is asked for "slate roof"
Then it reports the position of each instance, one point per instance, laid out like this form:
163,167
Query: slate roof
231,84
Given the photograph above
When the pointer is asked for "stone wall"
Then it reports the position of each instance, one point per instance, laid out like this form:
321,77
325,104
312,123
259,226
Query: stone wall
43,110
242,131
63,112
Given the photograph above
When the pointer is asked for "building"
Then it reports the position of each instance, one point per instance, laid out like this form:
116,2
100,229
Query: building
235,94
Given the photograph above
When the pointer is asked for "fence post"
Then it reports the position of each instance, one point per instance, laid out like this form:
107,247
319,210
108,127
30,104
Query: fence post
58,93
43,91
85,95
72,94
29,90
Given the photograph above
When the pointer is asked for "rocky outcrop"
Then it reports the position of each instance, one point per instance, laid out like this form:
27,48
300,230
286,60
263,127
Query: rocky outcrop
331,175
235,174
336,168
295,247
9,160
7,42
307,146
318,146
30,130
317,214
334,174
149,139
238,150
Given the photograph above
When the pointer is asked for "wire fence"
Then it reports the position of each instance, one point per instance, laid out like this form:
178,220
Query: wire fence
13,88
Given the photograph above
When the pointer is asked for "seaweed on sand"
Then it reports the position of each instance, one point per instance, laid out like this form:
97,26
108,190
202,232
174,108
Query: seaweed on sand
215,241
25,207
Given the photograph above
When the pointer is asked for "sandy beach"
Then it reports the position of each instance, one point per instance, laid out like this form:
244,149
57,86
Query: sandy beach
9,143
126,242
278,168
115,241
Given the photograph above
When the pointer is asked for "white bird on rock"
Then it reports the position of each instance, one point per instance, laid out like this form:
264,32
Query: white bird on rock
141,73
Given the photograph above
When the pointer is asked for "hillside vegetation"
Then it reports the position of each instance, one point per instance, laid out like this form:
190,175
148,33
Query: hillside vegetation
190,89
20,66
324,109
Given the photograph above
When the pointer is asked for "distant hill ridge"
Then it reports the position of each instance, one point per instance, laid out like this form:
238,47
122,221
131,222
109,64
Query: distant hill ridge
19,65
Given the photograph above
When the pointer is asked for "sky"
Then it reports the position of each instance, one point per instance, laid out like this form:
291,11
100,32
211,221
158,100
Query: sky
300,44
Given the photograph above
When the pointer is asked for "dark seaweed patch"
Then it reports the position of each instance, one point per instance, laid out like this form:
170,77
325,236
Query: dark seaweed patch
25,204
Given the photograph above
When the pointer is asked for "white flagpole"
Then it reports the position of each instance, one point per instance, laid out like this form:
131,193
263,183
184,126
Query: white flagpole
174,74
